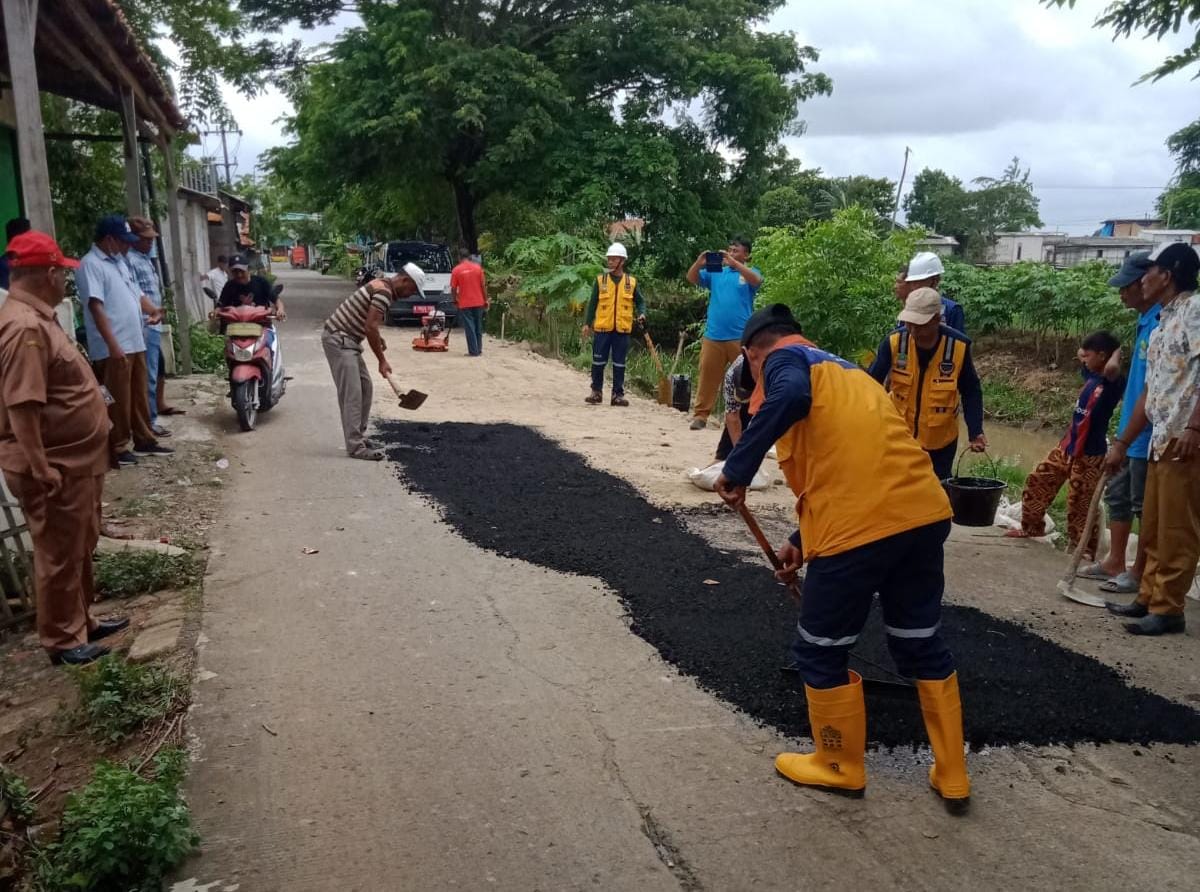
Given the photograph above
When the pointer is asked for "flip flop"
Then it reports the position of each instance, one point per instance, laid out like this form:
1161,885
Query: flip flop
171,410
1093,571
1123,584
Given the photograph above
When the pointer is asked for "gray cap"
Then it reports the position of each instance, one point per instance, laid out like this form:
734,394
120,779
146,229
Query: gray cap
1134,267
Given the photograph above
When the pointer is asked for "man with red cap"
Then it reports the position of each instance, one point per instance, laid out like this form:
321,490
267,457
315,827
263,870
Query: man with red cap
53,448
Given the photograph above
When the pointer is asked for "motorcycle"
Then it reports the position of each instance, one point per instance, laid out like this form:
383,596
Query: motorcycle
365,274
256,378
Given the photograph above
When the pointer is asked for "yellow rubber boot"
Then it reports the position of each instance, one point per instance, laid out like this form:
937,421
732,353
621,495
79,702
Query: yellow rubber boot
839,728
942,710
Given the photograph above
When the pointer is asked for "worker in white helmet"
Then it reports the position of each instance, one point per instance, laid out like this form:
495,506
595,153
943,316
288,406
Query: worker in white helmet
925,270
615,303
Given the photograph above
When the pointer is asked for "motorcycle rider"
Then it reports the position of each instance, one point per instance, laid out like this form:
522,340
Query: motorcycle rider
243,289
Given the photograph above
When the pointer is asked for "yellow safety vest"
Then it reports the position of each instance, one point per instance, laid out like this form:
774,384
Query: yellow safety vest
927,399
858,477
614,312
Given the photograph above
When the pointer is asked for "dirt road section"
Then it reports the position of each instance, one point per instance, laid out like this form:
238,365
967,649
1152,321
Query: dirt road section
405,710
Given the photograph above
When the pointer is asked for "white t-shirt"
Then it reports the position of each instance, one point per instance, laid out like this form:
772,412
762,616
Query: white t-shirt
217,278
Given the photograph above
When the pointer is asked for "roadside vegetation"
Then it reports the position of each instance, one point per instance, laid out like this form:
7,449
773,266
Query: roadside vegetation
126,574
118,698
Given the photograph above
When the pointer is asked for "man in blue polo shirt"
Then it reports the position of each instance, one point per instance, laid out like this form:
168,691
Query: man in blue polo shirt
730,303
1127,488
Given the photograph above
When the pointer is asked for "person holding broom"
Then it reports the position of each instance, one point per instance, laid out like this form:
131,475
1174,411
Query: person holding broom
615,303
873,518
1078,459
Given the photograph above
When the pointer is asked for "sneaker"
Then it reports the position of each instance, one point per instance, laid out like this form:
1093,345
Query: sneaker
619,400
153,449
699,424
126,460
596,398
366,454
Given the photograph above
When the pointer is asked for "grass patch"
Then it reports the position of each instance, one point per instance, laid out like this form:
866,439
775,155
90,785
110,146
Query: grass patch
122,831
16,805
208,349
117,697
141,507
126,574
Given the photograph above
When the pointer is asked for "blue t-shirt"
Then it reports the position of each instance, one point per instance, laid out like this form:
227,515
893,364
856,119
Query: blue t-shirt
730,303
1088,434
110,281
1147,322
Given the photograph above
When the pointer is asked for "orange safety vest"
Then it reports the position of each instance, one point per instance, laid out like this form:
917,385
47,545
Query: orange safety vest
614,312
928,398
857,474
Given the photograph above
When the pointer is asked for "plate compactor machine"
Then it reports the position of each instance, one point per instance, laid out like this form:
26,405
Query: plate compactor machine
435,334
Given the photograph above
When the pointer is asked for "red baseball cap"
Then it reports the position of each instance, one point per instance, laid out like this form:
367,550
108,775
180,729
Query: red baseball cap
35,248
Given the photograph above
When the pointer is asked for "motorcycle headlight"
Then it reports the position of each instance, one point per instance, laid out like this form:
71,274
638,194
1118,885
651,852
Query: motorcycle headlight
243,354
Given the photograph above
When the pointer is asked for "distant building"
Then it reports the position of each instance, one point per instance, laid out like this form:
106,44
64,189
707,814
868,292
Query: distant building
1113,249
941,245
1125,228
1019,247
1171,236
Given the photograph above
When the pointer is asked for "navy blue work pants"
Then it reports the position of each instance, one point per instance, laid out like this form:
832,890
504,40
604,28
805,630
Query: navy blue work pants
906,571
943,460
604,344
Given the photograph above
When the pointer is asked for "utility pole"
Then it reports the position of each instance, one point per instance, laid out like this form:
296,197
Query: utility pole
900,186
224,134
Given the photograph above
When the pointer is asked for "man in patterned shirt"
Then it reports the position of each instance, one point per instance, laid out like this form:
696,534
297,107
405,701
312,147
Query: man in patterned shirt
357,318
1171,510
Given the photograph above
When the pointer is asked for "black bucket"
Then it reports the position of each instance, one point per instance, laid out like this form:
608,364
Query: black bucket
681,392
974,500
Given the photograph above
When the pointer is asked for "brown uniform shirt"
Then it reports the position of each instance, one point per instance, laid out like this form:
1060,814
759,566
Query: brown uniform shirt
39,365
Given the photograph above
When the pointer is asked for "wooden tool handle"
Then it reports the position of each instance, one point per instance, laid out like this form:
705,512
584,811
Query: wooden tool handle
654,355
761,538
391,379
1086,535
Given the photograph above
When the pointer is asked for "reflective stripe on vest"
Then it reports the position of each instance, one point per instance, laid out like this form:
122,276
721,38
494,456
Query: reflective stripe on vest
614,311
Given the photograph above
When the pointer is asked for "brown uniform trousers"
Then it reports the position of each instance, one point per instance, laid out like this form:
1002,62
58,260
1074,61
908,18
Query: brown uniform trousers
65,531
715,357
1171,532
128,381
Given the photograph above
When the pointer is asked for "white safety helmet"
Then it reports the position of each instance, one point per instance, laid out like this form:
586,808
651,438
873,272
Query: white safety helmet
924,266
417,274
616,249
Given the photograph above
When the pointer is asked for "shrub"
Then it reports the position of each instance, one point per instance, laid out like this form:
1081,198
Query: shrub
129,573
117,697
837,276
208,349
121,831
15,802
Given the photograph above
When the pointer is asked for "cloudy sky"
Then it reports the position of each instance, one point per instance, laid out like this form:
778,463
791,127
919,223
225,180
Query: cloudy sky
966,84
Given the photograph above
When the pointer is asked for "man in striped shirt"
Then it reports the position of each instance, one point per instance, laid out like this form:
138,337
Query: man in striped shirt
359,316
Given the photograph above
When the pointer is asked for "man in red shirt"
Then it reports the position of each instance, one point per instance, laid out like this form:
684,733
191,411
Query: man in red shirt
468,286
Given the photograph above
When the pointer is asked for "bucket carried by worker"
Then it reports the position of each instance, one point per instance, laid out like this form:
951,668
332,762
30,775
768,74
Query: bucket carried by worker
974,500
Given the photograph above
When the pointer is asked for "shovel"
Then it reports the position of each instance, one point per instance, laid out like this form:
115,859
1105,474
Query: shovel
1066,585
664,385
411,399
901,689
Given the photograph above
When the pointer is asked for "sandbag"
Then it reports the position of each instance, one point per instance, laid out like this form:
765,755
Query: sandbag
706,478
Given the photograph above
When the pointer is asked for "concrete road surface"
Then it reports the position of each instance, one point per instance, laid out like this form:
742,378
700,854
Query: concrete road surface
402,711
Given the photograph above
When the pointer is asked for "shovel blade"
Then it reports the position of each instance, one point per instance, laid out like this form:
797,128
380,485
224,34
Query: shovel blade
1073,594
413,399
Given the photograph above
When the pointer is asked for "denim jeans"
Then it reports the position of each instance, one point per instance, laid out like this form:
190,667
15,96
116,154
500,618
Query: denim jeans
472,323
153,368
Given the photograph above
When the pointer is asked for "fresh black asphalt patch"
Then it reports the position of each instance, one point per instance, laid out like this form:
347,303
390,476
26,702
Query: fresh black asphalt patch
510,490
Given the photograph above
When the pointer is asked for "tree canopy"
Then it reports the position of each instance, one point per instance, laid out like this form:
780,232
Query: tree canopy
941,203
617,107
1157,19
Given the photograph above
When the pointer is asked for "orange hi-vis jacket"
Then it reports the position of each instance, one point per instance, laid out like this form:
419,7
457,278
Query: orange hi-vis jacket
857,473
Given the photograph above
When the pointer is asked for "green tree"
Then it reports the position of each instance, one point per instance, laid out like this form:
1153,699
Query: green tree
1006,203
490,96
87,178
784,206
1153,18
837,277
1179,205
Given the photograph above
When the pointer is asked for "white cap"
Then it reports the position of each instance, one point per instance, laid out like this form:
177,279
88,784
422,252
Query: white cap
925,265
616,249
417,274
